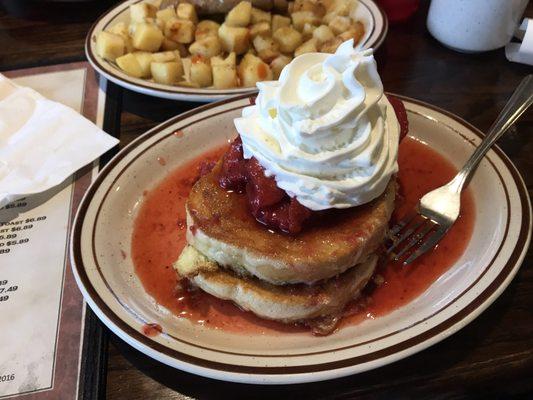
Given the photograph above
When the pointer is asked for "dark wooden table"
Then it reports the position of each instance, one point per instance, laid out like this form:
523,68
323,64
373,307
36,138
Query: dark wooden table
490,358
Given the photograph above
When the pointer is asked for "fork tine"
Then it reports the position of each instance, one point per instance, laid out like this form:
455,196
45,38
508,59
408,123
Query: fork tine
406,220
407,233
431,241
416,238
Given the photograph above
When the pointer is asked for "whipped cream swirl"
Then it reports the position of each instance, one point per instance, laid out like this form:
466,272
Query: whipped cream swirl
325,131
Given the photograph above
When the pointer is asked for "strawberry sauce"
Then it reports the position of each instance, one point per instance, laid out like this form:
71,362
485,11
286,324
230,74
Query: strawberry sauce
159,237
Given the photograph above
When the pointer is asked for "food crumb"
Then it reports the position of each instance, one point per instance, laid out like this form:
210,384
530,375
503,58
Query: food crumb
161,161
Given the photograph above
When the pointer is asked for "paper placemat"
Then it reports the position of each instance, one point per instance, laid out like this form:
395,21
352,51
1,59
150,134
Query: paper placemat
42,312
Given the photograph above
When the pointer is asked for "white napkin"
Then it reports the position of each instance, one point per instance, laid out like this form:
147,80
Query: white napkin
42,142
522,52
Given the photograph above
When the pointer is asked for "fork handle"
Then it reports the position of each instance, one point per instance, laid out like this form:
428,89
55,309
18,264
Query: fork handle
519,102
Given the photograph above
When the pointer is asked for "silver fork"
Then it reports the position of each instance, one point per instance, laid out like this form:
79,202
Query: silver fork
437,211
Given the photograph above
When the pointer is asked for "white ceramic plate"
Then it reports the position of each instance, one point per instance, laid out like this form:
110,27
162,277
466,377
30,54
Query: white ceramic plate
373,17
103,228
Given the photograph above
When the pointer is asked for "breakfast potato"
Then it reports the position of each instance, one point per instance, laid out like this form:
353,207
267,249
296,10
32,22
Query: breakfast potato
234,39
288,39
252,70
340,24
187,11
240,15
121,29
307,31
330,46
129,64
279,21
278,64
200,72
109,46
207,47
169,44
268,55
206,28
341,8
323,33
258,15
224,71
300,18
313,6
162,16
180,30
260,29
355,32
144,59
262,43
147,37
164,56
308,47
140,11
168,73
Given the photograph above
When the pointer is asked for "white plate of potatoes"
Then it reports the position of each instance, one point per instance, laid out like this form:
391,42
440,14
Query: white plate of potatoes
168,49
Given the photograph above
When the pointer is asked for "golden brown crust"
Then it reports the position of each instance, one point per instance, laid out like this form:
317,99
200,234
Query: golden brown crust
318,252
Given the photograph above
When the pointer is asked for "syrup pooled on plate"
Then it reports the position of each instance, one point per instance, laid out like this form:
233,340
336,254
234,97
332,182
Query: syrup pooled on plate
159,237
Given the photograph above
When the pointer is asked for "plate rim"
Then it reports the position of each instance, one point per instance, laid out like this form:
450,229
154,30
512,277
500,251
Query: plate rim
188,94
286,374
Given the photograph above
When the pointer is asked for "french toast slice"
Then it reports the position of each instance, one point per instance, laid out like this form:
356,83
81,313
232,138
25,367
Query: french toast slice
221,226
285,303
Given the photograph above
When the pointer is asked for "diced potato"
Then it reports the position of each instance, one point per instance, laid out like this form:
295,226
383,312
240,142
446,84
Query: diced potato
180,30
313,6
206,28
356,32
267,55
260,16
260,29
262,43
224,72
170,44
147,37
207,47
288,39
340,24
121,29
200,72
323,33
330,46
328,3
234,39
341,8
300,18
144,59
278,64
168,73
187,11
307,31
162,16
109,46
240,15
140,11
252,70
279,21
155,3
308,47
129,64
164,56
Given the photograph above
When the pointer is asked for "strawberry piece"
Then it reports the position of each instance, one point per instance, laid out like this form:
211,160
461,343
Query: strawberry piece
262,191
233,174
